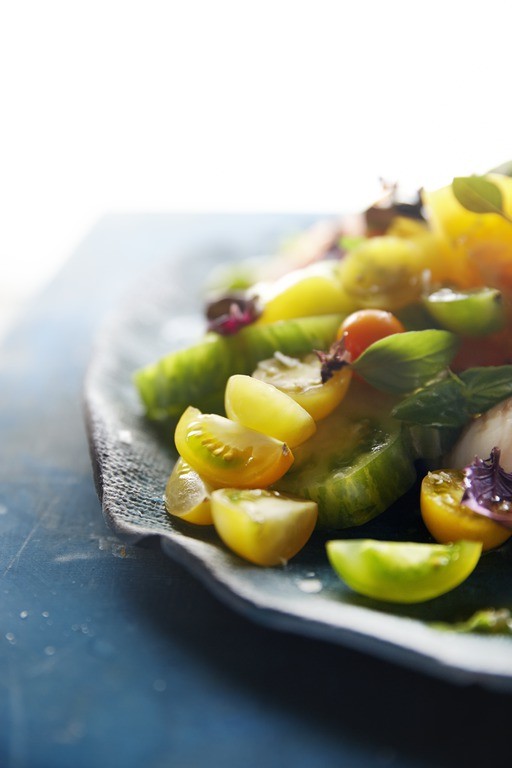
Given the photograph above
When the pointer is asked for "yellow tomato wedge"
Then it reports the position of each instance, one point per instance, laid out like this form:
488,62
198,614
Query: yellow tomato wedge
301,380
448,520
264,527
312,290
265,408
187,495
226,453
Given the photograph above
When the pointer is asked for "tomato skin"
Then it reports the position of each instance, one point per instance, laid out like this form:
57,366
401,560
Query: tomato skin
265,408
448,520
362,328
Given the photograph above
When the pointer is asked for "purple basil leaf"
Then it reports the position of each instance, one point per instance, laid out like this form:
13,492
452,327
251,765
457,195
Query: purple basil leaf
488,489
229,314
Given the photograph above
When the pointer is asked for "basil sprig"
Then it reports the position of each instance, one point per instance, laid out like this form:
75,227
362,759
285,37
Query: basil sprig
453,400
405,361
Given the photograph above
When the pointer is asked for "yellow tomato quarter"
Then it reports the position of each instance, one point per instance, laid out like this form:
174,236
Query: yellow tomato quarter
448,520
265,408
225,453
265,527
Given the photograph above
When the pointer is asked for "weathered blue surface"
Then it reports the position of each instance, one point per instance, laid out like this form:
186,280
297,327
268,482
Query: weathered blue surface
113,655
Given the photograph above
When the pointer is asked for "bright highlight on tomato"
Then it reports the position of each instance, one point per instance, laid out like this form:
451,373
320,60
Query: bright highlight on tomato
301,379
187,495
265,408
361,329
402,572
226,453
312,290
264,527
448,520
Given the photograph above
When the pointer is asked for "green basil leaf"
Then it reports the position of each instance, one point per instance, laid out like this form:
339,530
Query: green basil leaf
442,404
485,387
405,361
478,195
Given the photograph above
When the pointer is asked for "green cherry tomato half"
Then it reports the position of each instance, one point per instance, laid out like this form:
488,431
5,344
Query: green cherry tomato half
476,312
402,572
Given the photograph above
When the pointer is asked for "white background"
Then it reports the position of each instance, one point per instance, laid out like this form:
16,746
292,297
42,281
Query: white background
276,106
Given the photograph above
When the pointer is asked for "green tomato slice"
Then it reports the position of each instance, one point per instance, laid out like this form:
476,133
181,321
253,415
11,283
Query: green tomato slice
402,572
475,312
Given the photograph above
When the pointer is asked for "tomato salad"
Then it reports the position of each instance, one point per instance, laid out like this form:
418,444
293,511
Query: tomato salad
359,354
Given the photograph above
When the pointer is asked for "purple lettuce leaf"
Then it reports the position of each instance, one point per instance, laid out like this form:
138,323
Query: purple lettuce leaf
488,489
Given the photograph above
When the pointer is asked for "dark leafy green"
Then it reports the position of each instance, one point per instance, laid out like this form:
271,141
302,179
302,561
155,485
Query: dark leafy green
453,400
440,405
489,621
405,361
487,386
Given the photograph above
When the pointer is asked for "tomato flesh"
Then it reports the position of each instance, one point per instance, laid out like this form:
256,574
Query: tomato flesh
449,520
187,496
301,379
361,329
226,453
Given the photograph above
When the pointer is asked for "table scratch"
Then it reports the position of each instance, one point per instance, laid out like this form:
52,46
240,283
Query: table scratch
18,554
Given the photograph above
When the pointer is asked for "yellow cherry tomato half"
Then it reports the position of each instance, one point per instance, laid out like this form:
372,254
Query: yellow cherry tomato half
226,453
448,520
301,379
265,408
187,495
265,527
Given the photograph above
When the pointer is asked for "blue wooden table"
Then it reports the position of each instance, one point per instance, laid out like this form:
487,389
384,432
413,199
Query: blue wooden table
112,655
